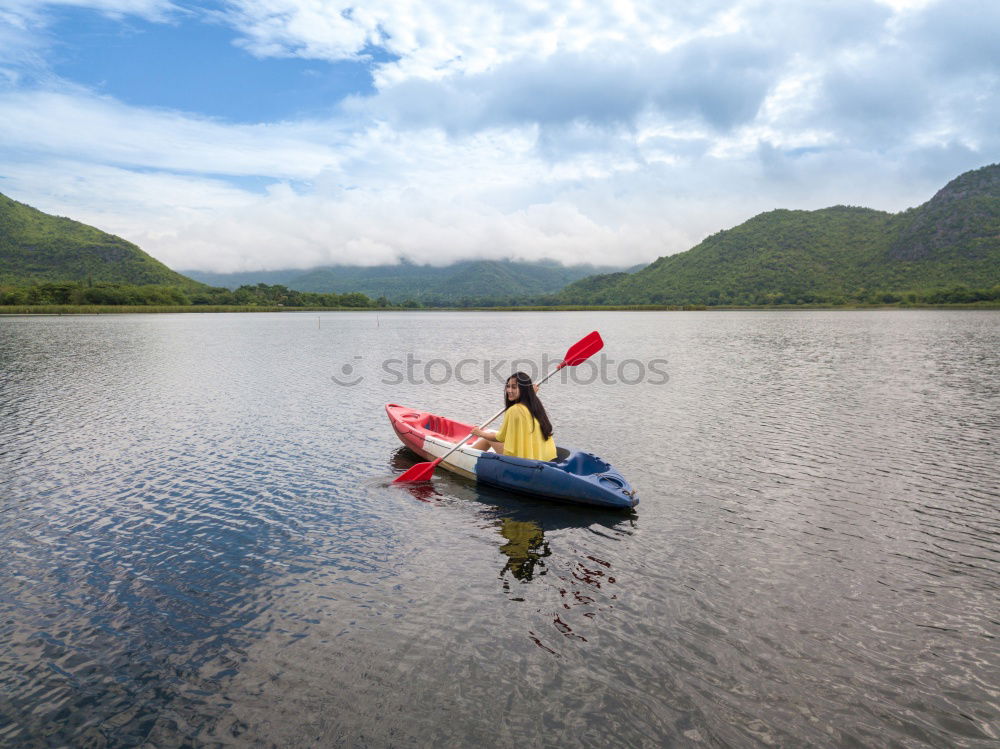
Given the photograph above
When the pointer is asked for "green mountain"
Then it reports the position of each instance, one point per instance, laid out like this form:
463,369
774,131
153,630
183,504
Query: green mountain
597,289
958,230
947,249
834,254
37,247
499,281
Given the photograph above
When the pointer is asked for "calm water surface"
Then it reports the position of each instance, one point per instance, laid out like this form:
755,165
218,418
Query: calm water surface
200,543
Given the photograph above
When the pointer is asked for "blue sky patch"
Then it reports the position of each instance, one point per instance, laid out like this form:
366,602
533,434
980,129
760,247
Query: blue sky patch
194,66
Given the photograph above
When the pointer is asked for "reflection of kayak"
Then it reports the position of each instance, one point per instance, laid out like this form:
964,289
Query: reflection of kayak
574,476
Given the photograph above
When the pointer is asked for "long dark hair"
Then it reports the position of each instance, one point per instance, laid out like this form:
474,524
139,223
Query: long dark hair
530,399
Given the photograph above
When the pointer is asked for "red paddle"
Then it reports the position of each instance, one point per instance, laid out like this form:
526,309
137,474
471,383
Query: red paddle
578,353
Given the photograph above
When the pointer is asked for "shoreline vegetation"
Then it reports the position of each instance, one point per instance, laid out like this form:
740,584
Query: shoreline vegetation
74,298
125,309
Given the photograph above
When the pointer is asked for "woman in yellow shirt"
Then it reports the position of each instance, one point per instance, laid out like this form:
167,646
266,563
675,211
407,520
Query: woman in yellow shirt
526,431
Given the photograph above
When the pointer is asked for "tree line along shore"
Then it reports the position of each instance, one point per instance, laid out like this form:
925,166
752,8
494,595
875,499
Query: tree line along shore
79,297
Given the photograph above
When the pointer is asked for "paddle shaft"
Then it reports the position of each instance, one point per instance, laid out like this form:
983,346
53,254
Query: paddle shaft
493,418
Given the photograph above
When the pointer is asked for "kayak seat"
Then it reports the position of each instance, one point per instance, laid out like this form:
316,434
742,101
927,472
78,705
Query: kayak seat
446,429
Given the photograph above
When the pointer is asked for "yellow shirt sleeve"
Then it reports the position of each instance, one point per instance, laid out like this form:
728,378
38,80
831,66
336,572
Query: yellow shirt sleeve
521,435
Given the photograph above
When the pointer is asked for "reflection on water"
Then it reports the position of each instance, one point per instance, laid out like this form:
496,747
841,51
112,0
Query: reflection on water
402,459
202,545
423,492
525,548
584,582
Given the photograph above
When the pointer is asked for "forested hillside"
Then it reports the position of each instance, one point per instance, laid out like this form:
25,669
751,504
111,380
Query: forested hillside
474,281
947,249
37,247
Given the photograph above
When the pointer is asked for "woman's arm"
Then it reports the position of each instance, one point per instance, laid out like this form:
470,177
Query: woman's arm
485,434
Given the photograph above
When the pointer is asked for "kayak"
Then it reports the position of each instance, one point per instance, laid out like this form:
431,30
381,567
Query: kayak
574,476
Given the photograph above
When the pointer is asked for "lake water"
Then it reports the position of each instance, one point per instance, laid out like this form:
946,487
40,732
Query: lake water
200,543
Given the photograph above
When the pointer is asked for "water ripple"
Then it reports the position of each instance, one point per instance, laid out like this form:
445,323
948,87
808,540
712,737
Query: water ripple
202,545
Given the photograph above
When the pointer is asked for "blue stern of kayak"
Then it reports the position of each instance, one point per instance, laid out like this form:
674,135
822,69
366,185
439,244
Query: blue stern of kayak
574,476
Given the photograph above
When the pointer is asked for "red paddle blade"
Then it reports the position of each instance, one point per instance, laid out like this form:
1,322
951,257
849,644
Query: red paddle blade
583,349
419,472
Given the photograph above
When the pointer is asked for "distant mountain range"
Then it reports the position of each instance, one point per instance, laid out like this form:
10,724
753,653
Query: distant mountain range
496,281
831,255
38,247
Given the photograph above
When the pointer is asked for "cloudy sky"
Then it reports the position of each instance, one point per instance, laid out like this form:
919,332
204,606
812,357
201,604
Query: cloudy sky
249,134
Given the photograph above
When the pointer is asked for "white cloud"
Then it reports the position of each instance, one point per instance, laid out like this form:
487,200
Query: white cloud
108,132
584,132
432,39
386,195
153,10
